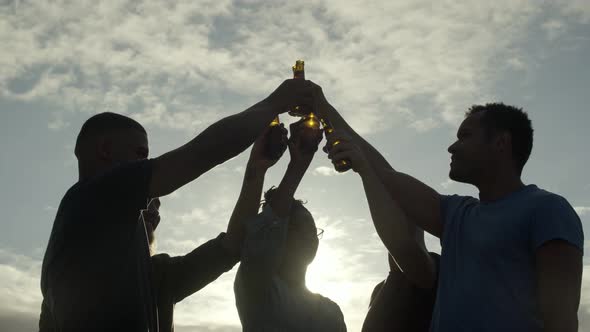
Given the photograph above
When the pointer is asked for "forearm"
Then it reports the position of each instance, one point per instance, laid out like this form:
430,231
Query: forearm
419,201
281,203
219,142
246,207
397,232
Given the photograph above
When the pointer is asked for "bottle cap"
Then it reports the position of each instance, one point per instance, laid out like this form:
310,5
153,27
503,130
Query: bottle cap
299,66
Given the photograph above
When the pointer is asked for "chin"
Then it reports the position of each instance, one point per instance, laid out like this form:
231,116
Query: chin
457,176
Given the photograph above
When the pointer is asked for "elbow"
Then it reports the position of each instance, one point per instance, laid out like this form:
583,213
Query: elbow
416,264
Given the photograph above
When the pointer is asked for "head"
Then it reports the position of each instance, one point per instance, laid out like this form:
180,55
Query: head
108,139
493,138
302,240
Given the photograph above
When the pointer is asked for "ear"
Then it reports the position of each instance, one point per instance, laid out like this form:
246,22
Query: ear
104,149
503,142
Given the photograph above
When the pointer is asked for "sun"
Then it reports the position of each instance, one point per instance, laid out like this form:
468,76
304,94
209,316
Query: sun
325,274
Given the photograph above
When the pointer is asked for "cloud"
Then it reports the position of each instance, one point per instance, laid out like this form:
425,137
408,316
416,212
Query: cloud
325,171
183,65
18,322
447,183
424,125
582,210
579,10
19,276
553,28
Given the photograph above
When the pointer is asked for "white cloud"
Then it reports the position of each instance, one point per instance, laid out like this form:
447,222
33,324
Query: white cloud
424,125
447,183
174,64
578,9
582,210
325,171
57,124
20,283
553,28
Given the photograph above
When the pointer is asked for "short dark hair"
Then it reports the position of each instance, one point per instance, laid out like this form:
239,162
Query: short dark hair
270,194
104,123
500,117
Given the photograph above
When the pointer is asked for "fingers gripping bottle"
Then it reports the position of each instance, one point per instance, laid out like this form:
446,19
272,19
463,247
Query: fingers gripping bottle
312,121
274,149
341,165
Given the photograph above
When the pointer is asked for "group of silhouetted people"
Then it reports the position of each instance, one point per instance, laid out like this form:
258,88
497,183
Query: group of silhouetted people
511,259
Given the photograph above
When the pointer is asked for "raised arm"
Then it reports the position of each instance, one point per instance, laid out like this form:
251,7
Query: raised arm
302,146
420,202
265,235
391,223
249,200
224,139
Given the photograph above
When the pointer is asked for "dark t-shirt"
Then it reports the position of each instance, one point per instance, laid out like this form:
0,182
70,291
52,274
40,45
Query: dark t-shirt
398,305
90,275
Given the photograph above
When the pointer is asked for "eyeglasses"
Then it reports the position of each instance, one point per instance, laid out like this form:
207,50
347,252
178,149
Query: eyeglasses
320,233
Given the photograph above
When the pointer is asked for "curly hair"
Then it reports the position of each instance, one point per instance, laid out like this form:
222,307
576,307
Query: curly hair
270,194
497,117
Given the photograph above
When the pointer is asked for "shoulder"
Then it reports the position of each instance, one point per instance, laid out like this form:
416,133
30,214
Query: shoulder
449,202
329,308
541,197
552,217
161,259
545,204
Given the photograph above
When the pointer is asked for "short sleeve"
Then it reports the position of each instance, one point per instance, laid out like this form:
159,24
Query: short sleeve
450,209
555,219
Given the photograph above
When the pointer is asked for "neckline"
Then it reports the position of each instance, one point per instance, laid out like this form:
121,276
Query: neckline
518,192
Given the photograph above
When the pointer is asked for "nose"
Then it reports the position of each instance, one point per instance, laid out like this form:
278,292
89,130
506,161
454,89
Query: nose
452,148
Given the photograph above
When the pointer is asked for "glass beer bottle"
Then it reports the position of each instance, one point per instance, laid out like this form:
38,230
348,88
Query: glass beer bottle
274,147
312,121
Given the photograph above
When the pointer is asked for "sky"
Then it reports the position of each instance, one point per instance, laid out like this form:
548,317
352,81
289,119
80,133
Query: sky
402,73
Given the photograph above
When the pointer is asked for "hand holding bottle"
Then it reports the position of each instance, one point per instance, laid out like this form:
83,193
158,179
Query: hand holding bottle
304,141
292,93
268,148
340,150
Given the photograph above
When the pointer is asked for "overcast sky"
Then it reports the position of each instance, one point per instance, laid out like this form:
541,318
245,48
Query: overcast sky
401,72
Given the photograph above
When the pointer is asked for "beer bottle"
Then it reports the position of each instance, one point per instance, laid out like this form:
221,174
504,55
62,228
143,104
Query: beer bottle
274,146
299,72
312,121
342,165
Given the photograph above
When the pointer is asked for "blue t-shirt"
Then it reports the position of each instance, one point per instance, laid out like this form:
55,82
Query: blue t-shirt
487,276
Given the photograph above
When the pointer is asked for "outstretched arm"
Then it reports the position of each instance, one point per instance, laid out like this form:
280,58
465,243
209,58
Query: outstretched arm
249,200
302,147
420,202
224,139
391,223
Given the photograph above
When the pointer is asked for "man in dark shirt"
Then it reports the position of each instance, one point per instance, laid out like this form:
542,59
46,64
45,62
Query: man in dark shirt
398,305
96,272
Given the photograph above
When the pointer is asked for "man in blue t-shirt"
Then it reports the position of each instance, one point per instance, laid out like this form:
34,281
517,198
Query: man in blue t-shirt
512,259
